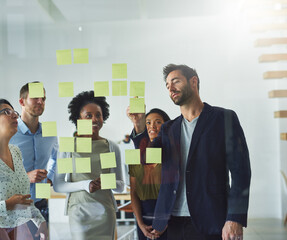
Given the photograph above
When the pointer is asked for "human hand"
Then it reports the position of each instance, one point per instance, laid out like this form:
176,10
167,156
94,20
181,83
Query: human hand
42,231
18,201
37,175
232,231
146,230
138,119
49,181
157,234
95,185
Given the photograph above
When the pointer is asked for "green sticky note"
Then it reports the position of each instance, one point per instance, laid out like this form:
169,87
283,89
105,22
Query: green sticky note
137,105
81,55
64,57
49,129
83,165
66,144
119,71
120,88
108,160
84,145
66,89
108,181
132,156
101,89
65,165
137,89
36,90
84,127
153,155
43,190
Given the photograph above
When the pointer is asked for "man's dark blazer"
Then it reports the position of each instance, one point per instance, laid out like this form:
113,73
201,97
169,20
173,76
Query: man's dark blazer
218,147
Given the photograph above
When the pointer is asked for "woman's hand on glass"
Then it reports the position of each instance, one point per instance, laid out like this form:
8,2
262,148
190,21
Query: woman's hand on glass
95,185
138,119
18,201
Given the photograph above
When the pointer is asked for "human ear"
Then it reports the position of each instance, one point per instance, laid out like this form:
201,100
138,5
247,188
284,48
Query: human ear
21,101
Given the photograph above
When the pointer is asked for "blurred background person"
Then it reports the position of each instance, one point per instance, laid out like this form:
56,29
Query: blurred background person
145,178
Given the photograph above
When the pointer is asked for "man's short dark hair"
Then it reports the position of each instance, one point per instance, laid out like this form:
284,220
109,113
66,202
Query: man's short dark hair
25,89
84,98
185,70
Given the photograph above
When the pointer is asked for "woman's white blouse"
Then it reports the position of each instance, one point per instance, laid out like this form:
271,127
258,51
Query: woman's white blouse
15,182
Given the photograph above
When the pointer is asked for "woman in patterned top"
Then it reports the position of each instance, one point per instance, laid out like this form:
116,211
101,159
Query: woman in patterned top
16,207
145,178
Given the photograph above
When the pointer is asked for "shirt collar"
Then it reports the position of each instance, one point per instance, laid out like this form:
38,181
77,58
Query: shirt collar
24,129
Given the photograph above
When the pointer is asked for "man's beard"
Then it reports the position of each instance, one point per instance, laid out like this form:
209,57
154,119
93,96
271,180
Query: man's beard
186,95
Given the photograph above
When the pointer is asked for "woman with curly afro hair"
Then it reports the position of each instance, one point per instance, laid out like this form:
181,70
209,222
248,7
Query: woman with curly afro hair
91,210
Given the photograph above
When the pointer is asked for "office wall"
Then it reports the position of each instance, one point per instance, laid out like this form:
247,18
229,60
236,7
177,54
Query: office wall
220,49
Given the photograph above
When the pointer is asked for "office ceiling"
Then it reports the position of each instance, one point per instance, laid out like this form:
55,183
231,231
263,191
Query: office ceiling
86,11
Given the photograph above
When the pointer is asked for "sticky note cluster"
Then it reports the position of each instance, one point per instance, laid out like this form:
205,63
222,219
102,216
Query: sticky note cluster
82,165
108,160
64,57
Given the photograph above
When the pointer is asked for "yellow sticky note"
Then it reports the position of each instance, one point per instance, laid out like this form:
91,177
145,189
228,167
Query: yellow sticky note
137,89
108,181
132,156
84,127
120,88
119,71
36,90
66,89
153,155
43,190
84,145
101,89
83,165
137,105
108,160
64,57
81,55
65,165
49,129
66,144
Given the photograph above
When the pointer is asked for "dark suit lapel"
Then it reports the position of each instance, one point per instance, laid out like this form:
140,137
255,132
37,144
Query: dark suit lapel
201,124
175,137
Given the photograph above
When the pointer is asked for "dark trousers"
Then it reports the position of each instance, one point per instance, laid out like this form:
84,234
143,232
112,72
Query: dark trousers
182,228
42,205
147,207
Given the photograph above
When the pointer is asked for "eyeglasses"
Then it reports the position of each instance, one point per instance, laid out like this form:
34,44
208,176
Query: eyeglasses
9,112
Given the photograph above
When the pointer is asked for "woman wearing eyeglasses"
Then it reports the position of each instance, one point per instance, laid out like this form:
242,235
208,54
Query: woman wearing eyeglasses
16,207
